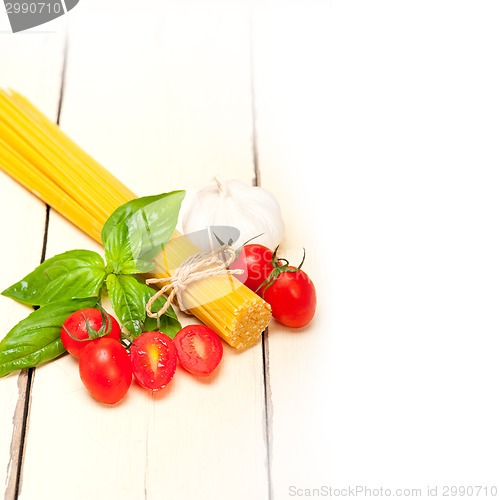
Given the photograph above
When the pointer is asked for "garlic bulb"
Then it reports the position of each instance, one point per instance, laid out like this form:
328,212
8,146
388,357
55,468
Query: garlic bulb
252,210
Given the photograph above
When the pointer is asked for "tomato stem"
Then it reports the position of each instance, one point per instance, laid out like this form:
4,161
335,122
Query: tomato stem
125,336
73,337
279,268
239,249
93,334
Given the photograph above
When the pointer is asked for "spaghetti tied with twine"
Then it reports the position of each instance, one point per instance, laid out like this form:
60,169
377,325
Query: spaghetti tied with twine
196,267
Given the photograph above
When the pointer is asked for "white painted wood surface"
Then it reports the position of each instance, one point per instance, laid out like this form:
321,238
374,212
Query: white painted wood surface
32,66
376,129
187,120
293,99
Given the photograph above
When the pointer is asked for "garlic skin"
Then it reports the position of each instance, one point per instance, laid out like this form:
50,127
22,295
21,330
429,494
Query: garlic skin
252,210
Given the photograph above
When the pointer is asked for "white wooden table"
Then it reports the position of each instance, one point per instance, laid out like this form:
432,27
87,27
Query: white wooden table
375,125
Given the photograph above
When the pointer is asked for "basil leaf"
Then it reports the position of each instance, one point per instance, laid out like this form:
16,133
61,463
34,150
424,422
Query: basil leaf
129,298
69,275
137,267
139,229
37,338
128,301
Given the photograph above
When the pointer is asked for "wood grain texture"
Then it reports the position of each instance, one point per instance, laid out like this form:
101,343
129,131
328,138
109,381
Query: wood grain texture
376,128
163,106
292,80
31,65
381,119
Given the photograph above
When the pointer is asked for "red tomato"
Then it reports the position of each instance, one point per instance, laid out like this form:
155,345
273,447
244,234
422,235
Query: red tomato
77,326
154,360
293,298
256,262
199,349
290,293
105,370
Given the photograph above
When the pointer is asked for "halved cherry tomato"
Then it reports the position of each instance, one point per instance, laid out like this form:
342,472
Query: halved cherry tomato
199,349
105,370
154,360
86,324
256,262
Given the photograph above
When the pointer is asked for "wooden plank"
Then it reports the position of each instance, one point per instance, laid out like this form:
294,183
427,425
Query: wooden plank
166,108
381,119
31,65
292,107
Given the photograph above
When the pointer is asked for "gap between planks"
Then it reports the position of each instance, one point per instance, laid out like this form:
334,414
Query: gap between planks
265,341
22,410
27,376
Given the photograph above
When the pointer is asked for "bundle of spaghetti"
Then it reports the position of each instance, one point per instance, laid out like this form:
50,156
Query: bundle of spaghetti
36,153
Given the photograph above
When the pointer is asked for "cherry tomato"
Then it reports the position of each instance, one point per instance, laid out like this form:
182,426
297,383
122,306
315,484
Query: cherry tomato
105,370
256,262
88,324
154,360
199,349
290,293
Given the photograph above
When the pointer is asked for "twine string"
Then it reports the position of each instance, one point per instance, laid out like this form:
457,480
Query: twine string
196,267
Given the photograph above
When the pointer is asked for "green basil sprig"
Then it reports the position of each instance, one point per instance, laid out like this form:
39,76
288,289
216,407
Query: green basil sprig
37,338
132,236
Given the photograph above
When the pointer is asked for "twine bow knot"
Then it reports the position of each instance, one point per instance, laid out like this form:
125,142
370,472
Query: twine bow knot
196,267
